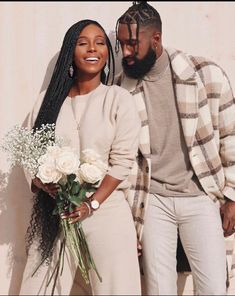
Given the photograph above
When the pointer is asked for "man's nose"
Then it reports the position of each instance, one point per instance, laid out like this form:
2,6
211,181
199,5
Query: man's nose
127,51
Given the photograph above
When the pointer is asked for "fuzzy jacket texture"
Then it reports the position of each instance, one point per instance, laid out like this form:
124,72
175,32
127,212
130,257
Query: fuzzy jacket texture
207,112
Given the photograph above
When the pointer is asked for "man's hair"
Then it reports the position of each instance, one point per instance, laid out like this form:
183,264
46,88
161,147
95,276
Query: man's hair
142,14
43,224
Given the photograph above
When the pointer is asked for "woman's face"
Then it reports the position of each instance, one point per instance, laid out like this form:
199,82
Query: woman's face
91,51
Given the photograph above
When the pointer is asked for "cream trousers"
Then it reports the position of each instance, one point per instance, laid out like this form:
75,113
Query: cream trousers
112,241
199,224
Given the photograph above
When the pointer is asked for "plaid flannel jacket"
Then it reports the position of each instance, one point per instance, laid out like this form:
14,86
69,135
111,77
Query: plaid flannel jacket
207,112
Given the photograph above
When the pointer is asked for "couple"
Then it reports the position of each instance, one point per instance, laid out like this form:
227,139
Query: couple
179,111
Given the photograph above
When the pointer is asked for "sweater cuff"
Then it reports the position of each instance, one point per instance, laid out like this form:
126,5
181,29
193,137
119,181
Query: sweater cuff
119,172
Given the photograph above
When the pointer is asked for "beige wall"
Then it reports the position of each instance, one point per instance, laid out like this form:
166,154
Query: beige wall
31,34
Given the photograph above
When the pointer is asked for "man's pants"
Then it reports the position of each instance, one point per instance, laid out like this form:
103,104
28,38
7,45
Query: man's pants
199,224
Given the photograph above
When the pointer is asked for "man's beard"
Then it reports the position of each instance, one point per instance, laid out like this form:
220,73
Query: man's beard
140,67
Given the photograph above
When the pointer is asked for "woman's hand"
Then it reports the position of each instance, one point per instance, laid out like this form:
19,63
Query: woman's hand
50,188
80,213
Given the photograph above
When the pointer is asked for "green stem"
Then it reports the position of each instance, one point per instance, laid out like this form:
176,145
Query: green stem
41,263
63,252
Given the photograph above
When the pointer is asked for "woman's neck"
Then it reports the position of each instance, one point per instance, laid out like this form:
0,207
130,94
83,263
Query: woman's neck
84,86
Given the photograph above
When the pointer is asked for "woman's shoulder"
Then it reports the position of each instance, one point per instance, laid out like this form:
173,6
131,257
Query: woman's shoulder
119,92
121,98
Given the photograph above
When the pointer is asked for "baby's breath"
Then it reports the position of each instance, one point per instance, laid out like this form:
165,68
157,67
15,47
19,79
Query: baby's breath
25,146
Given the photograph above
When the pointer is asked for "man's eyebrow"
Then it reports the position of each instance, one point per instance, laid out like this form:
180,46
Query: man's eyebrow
128,40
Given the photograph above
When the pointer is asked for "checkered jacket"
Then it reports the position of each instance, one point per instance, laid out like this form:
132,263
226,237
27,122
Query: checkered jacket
207,112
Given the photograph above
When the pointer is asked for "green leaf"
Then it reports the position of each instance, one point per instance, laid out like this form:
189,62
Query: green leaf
75,188
71,178
63,187
82,194
55,211
75,199
60,196
71,207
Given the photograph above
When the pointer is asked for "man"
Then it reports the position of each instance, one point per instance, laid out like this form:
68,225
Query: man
185,176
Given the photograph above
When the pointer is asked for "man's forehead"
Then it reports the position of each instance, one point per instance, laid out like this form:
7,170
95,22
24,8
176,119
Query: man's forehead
123,28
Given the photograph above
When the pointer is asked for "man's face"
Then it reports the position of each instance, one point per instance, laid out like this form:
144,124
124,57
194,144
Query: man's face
138,55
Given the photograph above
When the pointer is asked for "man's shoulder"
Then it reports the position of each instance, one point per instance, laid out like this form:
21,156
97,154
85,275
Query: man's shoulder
197,62
200,62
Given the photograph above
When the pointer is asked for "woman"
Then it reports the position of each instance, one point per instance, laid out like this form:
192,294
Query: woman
90,114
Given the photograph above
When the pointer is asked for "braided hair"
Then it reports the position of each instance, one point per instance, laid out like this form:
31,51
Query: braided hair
142,14
43,224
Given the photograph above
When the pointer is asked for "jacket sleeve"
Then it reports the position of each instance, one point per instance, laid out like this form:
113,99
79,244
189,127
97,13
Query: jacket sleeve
227,137
125,145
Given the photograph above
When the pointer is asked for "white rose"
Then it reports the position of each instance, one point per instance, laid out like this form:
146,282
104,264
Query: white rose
67,161
46,158
78,177
90,173
53,151
90,156
47,173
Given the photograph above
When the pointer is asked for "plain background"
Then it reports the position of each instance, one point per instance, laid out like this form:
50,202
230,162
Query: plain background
30,36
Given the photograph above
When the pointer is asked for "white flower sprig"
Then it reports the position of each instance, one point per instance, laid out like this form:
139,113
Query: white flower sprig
25,146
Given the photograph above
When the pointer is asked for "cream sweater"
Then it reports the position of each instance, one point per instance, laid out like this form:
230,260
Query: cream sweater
105,120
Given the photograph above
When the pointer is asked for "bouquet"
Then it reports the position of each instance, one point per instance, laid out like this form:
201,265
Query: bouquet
42,155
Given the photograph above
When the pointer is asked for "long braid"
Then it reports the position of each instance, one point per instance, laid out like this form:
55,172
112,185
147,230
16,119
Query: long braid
141,14
44,225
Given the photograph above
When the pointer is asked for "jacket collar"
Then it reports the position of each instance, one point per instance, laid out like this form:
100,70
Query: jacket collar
182,66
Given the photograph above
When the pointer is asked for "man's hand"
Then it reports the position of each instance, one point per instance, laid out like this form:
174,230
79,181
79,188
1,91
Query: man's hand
227,212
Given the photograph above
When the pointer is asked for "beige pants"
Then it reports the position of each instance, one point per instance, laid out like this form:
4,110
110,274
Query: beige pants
198,221
111,238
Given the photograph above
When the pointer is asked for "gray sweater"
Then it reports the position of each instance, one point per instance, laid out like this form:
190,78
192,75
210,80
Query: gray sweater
172,174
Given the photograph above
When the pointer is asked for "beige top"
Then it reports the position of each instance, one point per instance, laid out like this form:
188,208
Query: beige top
172,173
105,120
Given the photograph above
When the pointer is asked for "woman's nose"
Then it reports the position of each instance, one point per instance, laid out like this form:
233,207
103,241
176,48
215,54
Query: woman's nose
92,48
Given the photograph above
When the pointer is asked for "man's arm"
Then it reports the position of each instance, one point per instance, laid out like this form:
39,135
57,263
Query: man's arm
227,153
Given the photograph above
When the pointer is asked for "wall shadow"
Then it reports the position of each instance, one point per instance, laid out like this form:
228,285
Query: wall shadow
15,208
49,72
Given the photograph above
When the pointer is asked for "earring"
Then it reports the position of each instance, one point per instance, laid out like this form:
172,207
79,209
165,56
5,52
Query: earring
71,71
106,69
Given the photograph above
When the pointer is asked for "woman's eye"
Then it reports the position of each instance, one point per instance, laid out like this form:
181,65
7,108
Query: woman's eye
82,43
100,42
